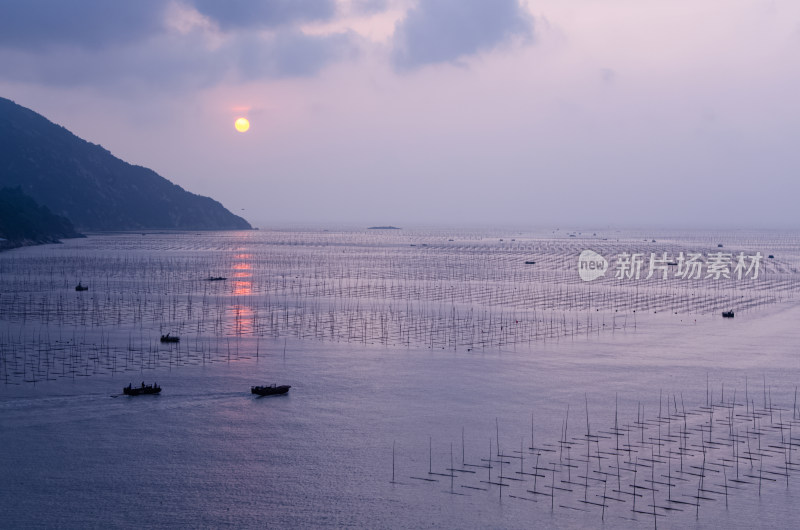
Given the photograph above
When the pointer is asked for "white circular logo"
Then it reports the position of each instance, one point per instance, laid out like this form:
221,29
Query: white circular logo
591,265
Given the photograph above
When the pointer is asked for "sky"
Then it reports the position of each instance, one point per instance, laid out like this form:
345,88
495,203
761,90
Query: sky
627,113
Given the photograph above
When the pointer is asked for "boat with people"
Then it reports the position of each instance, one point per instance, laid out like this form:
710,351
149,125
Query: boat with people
131,390
727,314
169,338
270,390
216,278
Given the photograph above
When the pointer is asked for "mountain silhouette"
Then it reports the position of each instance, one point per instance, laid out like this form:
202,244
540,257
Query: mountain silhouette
91,187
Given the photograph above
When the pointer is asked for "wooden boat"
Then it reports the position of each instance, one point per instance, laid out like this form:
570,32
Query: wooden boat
131,390
216,278
80,287
270,390
530,262
727,314
167,338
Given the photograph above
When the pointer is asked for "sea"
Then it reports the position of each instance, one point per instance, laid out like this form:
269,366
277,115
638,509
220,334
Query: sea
440,378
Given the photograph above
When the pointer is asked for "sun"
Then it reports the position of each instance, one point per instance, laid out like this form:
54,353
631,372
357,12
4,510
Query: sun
242,125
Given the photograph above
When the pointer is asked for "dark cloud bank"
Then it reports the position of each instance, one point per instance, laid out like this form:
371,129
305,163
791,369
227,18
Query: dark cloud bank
447,30
125,43
97,42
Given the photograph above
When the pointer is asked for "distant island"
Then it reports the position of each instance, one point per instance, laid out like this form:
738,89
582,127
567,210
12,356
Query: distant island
24,222
92,188
383,228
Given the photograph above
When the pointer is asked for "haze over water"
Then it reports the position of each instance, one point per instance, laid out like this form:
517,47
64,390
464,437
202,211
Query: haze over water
418,339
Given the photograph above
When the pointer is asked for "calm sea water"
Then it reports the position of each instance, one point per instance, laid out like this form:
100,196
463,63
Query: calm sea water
206,453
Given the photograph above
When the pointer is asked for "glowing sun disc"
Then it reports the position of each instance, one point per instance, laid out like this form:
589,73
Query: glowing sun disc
242,125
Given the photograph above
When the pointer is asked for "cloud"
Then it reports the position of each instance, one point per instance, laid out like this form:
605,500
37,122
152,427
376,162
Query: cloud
180,61
292,54
160,62
42,24
442,31
125,45
368,7
196,43
234,14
